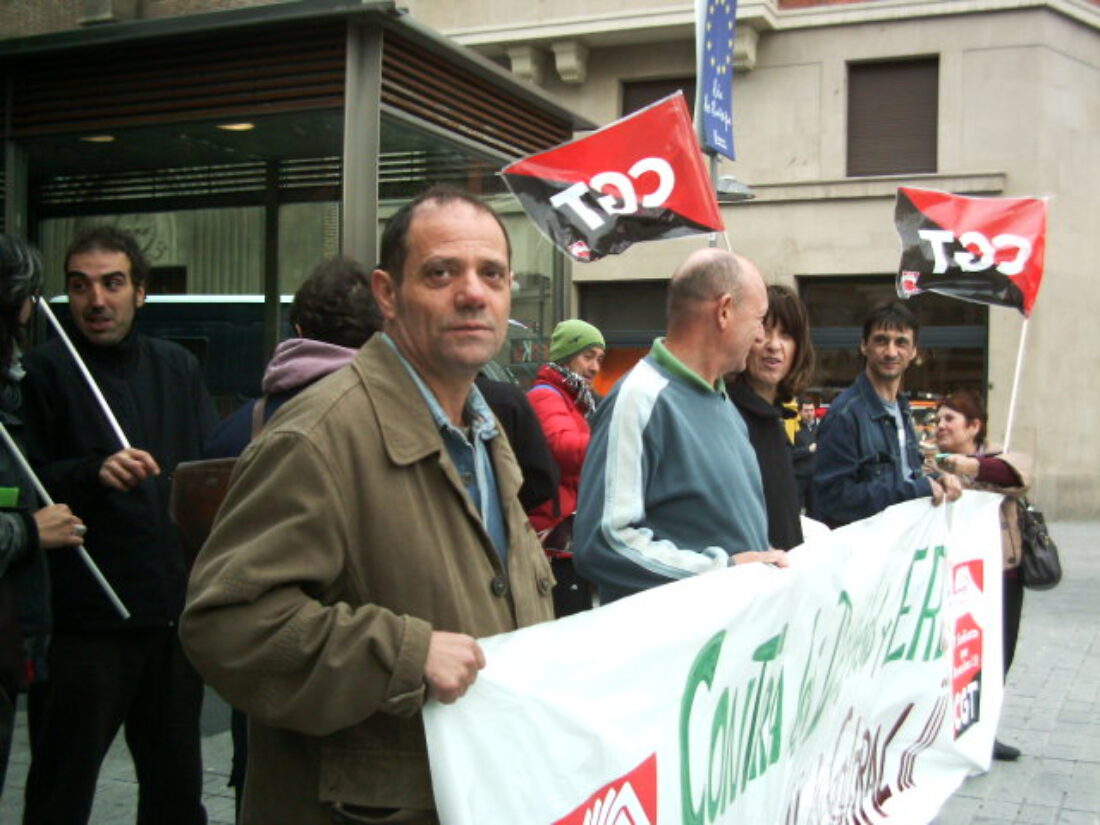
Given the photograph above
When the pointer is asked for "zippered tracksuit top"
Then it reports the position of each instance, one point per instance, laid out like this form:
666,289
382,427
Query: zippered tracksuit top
670,487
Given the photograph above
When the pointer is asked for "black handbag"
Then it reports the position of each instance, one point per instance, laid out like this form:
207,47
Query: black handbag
1040,566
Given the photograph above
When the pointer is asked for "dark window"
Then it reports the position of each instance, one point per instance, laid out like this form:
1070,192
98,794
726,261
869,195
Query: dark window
630,314
892,117
166,280
951,344
627,312
639,93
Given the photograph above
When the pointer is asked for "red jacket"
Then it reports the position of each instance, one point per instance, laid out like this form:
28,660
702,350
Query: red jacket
567,432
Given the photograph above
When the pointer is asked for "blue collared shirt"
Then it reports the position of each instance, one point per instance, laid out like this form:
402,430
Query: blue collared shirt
469,454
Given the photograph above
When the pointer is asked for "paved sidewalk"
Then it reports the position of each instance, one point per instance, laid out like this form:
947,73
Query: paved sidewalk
1052,712
1052,705
116,794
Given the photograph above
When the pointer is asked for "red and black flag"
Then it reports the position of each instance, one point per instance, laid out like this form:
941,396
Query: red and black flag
987,250
642,178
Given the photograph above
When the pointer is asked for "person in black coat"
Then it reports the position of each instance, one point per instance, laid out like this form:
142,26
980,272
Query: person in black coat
107,671
510,405
27,530
779,365
805,445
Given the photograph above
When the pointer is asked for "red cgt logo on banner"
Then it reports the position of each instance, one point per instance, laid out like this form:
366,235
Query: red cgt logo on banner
967,584
987,250
642,178
628,800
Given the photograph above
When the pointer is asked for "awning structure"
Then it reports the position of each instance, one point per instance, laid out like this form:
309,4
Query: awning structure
350,62
302,122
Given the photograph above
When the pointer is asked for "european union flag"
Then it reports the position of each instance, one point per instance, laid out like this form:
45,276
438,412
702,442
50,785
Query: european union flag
717,24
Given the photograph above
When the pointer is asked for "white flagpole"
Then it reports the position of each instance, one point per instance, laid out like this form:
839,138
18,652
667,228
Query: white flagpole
1015,386
121,436
97,574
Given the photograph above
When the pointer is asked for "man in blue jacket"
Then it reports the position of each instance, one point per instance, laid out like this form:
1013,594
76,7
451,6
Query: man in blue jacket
867,451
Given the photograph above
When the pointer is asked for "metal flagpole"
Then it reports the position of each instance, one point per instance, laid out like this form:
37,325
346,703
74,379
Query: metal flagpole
97,574
87,375
1015,386
713,156
712,241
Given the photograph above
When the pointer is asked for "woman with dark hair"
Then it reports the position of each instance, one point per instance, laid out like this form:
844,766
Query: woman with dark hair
779,366
960,436
25,530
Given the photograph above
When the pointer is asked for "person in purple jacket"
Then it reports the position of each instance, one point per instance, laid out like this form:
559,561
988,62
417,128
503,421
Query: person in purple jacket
333,314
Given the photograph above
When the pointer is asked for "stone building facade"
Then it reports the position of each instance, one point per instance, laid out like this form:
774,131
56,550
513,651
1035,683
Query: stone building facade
836,104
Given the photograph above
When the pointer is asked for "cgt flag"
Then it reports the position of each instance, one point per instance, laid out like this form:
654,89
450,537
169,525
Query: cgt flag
987,250
641,178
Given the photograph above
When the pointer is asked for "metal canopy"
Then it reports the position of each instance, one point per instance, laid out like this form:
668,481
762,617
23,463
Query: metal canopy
382,13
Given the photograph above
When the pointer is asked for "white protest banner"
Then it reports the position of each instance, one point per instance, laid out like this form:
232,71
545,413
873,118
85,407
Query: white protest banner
862,684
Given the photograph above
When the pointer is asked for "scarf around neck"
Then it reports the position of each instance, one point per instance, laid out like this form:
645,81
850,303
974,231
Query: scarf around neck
570,382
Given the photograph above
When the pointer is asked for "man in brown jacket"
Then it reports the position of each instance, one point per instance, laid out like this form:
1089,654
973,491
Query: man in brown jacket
369,534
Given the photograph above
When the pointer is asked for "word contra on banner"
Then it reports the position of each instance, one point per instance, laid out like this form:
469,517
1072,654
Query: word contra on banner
744,737
745,734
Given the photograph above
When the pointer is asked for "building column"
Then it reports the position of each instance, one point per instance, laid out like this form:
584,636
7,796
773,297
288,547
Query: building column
272,297
362,144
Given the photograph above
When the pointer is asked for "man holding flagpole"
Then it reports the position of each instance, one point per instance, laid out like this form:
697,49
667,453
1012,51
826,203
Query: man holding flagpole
106,671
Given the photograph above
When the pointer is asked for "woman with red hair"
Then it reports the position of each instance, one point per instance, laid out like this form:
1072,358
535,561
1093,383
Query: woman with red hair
960,436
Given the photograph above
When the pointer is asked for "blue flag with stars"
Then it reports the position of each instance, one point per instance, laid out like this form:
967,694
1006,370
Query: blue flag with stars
716,25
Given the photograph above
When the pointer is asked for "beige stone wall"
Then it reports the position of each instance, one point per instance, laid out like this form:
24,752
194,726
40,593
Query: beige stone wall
1019,114
464,14
25,17
171,8
22,18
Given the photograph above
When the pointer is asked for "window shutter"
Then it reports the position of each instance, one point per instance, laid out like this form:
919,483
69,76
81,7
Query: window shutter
892,117
640,93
